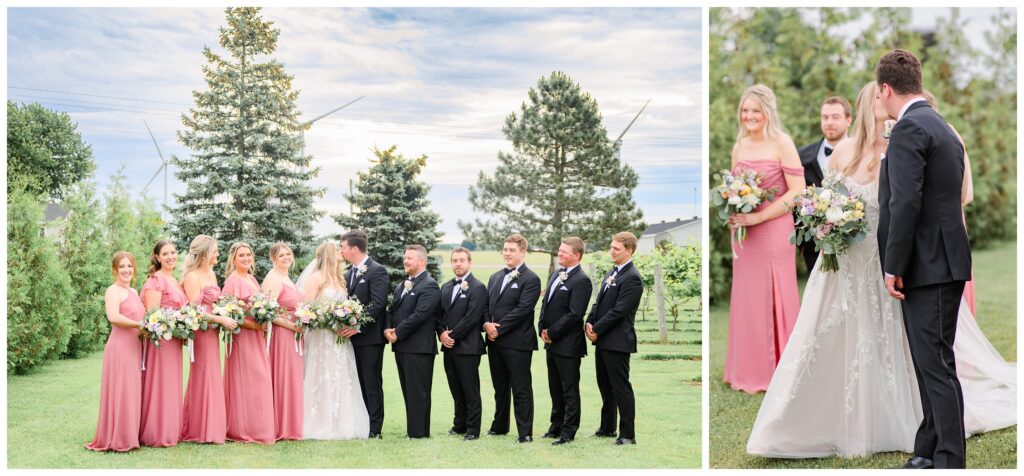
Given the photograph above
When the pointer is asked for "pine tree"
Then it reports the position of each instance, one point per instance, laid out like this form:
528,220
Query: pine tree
39,311
84,256
562,179
248,177
392,208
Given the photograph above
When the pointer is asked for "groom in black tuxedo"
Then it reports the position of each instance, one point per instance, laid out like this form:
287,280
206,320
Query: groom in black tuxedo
610,327
835,121
562,311
412,321
367,283
464,309
924,251
511,338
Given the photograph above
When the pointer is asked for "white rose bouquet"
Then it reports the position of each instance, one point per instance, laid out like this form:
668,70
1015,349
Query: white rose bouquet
831,217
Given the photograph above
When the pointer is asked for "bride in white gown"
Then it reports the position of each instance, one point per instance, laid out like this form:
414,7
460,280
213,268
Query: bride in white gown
334,407
845,383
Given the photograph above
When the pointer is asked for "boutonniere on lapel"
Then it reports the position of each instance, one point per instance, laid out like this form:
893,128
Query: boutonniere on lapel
408,285
887,130
563,276
514,275
609,282
464,285
360,270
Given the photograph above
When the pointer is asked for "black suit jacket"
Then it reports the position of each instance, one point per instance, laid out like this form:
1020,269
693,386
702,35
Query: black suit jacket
813,175
513,309
414,317
562,315
371,289
465,316
921,234
614,312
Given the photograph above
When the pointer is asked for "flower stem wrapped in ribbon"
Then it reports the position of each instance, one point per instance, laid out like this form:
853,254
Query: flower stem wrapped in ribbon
190,319
831,217
307,317
738,193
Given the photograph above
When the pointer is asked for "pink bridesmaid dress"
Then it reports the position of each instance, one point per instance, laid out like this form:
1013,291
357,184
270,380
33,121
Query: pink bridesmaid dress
248,391
286,371
205,420
765,298
161,381
121,387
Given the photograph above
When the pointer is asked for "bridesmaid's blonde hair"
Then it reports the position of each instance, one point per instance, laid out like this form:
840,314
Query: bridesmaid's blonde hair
231,257
328,266
864,132
278,247
198,252
765,98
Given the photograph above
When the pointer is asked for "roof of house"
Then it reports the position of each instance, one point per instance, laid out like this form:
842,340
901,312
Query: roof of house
54,211
665,226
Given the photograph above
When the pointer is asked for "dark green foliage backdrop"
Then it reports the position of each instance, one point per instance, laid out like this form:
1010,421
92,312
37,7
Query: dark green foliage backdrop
806,55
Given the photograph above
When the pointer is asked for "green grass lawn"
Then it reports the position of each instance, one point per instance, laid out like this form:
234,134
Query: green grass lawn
732,413
51,413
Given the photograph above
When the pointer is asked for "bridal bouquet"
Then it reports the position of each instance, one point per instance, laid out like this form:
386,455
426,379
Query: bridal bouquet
264,309
189,320
228,306
343,313
738,193
831,217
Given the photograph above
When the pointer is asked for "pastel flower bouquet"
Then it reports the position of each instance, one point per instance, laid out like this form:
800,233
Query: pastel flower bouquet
831,217
738,193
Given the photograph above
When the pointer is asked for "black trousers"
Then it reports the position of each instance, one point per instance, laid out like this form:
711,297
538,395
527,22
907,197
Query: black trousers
370,367
415,374
616,392
810,256
463,373
510,374
929,314
564,385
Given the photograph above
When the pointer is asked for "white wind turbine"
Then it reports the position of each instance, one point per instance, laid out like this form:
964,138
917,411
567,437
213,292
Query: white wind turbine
164,163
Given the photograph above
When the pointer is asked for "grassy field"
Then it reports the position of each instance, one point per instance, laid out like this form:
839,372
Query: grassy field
732,413
52,413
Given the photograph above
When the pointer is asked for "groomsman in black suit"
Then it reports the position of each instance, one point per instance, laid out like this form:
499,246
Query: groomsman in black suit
367,283
412,321
511,338
464,308
561,329
835,121
610,328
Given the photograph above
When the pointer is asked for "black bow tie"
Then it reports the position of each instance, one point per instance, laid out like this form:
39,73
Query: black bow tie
508,270
828,151
458,280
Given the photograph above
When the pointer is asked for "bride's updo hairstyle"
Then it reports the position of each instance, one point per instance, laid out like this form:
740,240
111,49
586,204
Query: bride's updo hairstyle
864,133
328,266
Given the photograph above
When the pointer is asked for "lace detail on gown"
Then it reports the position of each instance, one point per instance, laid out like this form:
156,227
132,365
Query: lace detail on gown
334,407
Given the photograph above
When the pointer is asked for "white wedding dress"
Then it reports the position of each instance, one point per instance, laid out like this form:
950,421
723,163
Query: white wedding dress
845,383
334,407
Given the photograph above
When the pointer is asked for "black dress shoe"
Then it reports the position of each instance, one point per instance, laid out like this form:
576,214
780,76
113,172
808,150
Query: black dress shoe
549,435
453,431
495,433
625,441
604,434
374,435
525,439
560,441
917,462
470,437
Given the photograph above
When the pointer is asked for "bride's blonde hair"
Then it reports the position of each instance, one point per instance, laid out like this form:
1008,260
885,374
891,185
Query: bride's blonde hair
328,266
864,132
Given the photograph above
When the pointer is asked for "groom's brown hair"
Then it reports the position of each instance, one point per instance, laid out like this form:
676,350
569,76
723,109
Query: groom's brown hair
901,70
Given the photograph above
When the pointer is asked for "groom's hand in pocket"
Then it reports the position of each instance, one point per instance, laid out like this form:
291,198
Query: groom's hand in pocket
894,284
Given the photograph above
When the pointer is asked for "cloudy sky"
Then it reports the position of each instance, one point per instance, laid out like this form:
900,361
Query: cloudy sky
436,81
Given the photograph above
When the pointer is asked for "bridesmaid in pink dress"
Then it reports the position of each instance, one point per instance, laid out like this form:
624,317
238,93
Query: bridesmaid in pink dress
765,298
285,360
247,386
205,420
121,388
161,381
